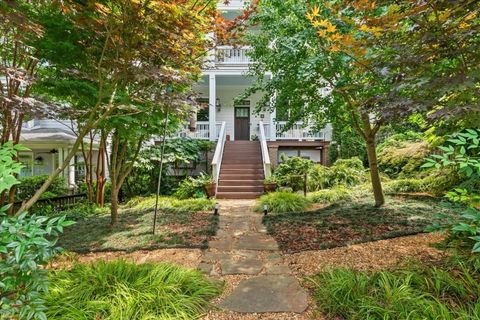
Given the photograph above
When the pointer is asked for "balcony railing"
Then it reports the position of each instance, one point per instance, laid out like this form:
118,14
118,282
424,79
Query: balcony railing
229,55
297,132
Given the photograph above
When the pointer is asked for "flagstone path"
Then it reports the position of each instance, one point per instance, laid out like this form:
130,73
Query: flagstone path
243,247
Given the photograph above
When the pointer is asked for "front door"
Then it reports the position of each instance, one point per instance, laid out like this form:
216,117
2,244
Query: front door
242,123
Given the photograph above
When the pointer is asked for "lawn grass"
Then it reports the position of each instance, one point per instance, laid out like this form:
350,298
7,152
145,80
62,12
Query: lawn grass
179,224
119,290
355,221
448,291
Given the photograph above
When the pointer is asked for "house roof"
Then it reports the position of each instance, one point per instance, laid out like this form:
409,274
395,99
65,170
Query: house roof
48,132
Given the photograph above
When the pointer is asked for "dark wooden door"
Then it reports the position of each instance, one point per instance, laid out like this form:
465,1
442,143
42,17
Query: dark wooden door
242,123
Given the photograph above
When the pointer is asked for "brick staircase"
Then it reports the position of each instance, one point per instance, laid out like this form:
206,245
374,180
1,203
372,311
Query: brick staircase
241,173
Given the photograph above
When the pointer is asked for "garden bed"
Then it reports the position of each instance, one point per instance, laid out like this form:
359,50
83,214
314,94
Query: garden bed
174,229
355,221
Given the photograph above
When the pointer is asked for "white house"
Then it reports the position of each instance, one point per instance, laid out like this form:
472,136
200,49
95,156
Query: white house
249,144
238,166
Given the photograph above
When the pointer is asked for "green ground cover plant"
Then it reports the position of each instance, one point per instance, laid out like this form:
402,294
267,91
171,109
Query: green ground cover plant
119,290
335,194
420,291
180,223
280,202
356,221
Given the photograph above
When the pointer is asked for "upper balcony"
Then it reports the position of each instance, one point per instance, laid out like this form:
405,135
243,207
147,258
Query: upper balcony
228,55
231,5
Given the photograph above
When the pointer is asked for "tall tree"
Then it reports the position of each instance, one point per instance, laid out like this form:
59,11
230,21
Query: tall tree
18,68
313,78
118,51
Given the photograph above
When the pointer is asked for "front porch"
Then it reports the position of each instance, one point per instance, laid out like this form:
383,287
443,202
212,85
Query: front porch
297,133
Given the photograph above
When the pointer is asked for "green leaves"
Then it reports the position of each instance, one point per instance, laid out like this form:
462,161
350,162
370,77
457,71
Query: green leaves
26,243
8,167
462,150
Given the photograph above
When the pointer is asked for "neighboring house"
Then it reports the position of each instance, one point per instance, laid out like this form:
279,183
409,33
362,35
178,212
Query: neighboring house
224,78
50,141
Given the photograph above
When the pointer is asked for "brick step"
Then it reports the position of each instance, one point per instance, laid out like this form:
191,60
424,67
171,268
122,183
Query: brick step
241,161
241,176
228,155
242,166
238,161
240,171
238,195
257,188
241,182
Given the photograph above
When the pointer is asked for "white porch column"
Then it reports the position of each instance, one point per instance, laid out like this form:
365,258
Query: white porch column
71,173
212,98
273,116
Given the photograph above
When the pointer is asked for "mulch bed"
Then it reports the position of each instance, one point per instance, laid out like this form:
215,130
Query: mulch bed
134,232
371,256
353,222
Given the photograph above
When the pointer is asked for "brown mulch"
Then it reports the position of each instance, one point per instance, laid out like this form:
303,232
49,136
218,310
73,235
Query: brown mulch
368,256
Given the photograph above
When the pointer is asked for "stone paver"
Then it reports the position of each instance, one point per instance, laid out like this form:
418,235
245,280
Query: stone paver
242,247
270,293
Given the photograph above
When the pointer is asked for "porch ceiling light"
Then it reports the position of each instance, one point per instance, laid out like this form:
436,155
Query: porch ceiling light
218,105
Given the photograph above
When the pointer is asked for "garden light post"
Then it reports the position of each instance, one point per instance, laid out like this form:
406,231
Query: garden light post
160,173
216,209
265,209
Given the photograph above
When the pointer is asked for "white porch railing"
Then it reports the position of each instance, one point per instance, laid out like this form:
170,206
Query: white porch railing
267,169
218,155
232,55
202,131
297,132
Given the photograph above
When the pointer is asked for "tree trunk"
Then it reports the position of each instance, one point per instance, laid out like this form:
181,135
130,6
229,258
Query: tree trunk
100,172
374,173
114,207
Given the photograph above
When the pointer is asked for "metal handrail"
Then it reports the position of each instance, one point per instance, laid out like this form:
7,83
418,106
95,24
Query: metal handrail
267,167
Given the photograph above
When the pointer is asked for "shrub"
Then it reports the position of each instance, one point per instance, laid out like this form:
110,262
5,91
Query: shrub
405,185
353,163
346,172
333,195
281,202
318,178
402,155
193,187
27,243
124,291
170,204
29,185
291,172
419,293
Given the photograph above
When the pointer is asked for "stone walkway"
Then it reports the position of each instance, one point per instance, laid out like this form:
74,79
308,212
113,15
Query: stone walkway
242,247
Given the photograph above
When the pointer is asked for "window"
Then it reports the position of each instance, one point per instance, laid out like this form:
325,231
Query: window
27,161
242,112
202,112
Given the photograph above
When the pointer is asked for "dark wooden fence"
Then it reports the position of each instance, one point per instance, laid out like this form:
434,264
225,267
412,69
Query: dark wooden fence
57,203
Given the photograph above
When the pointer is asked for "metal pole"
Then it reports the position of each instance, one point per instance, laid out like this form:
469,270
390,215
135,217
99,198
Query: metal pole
160,174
